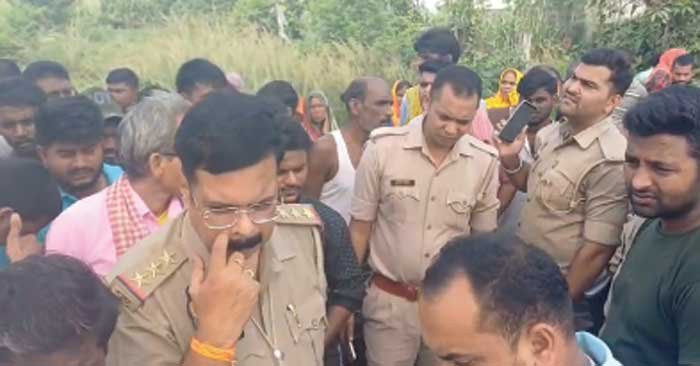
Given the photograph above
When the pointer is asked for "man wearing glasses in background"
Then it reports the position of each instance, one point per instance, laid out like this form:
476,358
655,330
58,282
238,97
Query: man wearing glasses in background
235,279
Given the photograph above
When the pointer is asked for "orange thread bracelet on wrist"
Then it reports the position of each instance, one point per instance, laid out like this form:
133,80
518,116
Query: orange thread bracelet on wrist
213,353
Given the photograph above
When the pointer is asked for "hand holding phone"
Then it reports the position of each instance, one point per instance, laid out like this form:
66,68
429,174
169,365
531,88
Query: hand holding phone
518,120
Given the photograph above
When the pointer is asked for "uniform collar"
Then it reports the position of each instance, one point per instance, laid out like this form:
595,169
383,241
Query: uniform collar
586,137
191,241
272,258
416,139
280,253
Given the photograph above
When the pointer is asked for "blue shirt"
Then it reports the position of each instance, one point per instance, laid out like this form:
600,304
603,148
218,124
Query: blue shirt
4,259
596,349
111,173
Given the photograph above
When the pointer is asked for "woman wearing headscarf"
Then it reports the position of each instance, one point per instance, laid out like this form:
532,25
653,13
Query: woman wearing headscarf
661,76
318,116
397,94
507,95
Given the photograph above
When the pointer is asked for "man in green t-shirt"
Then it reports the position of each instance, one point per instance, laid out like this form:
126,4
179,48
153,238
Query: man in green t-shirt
654,313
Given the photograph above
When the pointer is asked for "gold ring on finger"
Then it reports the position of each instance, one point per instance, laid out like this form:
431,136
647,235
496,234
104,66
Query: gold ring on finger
238,260
250,273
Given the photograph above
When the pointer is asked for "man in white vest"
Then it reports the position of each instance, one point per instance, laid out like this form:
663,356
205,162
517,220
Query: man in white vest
334,157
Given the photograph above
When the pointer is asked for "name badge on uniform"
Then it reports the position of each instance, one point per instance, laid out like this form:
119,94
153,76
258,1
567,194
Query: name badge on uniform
403,183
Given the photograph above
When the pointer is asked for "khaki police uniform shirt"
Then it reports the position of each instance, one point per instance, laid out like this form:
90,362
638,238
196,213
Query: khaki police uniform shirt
416,208
576,190
156,324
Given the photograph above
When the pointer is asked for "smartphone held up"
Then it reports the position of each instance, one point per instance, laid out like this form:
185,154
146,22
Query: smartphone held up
522,115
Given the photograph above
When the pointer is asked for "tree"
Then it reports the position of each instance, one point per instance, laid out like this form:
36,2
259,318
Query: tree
646,27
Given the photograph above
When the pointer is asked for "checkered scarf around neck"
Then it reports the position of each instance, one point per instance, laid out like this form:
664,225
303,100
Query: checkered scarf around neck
124,219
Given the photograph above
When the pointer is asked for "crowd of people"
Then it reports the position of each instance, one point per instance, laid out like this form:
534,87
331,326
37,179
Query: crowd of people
213,226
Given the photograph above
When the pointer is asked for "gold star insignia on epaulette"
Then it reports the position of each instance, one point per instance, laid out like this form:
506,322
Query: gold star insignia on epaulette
307,213
153,269
167,258
293,213
282,213
139,279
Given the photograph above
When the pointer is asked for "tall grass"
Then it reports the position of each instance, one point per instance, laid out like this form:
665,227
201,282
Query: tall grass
90,50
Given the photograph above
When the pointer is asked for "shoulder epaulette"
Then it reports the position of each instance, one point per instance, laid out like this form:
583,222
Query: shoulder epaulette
298,214
482,146
134,286
378,133
613,144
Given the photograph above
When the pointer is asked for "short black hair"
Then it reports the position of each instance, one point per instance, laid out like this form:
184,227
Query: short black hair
113,121
536,79
199,71
282,91
571,68
432,66
17,92
123,75
674,110
440,41
72,120
356,90
617,62
685,60
550,69
463,80
152,89
294,137
50,303
28,189
45,69
515,284
227,132
9,69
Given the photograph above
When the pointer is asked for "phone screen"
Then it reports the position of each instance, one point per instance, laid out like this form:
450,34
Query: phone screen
520,118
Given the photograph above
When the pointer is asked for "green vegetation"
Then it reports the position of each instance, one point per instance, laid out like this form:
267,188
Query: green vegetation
323,44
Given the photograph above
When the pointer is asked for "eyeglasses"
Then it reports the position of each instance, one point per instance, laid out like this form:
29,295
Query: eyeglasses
228,217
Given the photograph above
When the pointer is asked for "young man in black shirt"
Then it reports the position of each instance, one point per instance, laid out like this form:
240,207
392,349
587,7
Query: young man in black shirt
345,277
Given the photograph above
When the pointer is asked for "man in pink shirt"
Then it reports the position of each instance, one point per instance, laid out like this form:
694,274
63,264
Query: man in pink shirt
101,228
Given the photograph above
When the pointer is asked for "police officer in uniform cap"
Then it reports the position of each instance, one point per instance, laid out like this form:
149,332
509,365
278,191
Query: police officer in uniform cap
237,278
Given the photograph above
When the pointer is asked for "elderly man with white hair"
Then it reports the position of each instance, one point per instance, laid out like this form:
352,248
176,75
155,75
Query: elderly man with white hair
101,228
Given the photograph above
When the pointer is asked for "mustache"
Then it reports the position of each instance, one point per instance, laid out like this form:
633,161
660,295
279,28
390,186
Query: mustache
244,244
82,171
290,190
